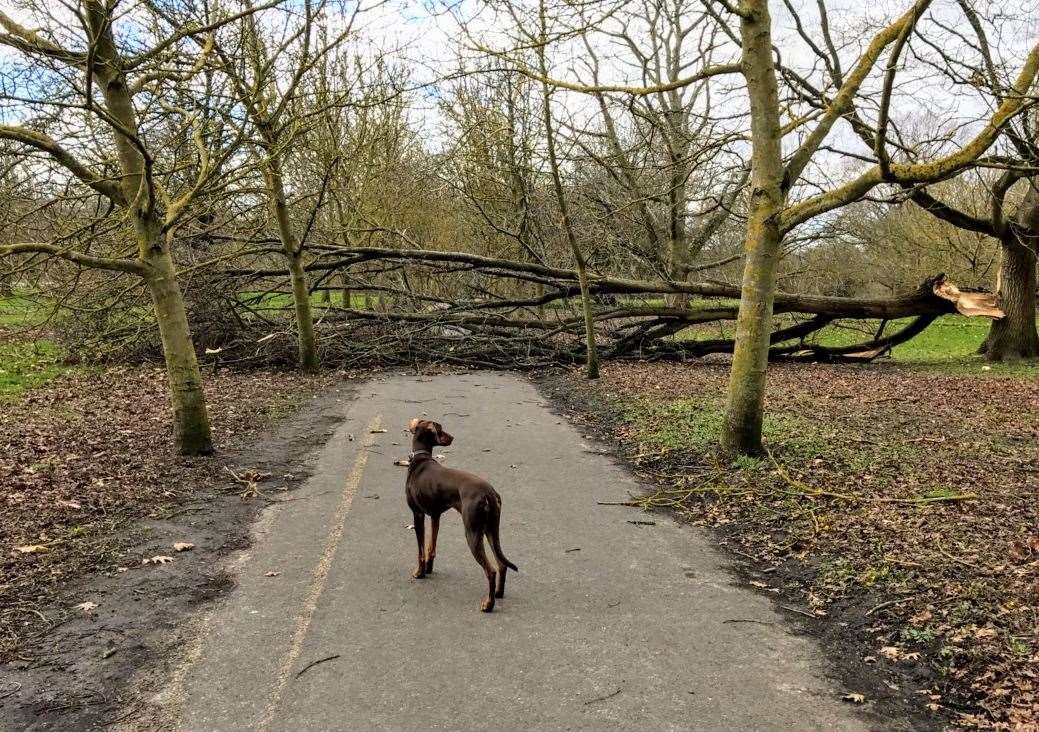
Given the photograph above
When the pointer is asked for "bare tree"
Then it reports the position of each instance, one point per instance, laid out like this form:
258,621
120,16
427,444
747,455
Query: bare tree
86,119
270,72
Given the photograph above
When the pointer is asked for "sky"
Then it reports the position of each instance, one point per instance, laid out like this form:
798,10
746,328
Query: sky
434,39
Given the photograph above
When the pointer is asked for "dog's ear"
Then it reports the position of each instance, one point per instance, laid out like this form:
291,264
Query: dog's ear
443,438
413,425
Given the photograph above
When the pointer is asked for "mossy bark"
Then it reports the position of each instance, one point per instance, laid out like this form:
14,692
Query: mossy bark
191,420
306,340
1014,336
741,432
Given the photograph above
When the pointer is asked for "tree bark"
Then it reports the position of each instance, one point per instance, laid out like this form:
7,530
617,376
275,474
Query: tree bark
677,230
592,353
741,433
191,420
1014,336
307,343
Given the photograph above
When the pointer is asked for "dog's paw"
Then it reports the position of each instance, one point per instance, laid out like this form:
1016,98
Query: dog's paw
429,566
499,594
418,573
487,605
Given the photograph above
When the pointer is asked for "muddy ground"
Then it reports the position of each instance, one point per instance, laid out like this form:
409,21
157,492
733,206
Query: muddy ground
82,672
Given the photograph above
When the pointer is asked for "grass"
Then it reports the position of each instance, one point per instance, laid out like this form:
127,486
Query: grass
24,362
18,312
694,425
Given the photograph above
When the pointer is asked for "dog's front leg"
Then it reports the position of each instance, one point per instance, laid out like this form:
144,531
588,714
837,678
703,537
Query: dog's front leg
420,536
431,554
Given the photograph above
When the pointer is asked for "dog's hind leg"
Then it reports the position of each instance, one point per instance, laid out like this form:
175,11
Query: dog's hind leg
420,536
503,563
431,553
492,538
475,541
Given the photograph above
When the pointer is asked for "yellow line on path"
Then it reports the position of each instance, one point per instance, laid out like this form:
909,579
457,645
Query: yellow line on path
319,576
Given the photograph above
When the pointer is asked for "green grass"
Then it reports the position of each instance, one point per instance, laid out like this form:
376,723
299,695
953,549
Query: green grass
694,425
24,361
19,312
25,364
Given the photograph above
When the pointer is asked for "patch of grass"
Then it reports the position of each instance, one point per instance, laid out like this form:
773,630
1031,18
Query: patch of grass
18,312
25,364
694,425
949,345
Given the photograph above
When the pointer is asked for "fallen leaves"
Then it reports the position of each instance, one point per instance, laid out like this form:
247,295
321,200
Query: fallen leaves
950,584
90,451
86,607
183,546
158,559
854,698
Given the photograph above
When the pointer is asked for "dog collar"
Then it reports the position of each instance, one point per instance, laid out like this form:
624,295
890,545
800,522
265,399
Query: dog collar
413,455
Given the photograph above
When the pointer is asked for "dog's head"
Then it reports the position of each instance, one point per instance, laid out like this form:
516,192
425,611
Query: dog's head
429,433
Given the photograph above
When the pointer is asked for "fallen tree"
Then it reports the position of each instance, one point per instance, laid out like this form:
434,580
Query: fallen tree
455,307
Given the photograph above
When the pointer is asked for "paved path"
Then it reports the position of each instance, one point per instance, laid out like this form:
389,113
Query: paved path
608,625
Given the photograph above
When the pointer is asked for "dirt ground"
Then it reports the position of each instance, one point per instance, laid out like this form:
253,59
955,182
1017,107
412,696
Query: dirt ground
897,515
94,485
897,520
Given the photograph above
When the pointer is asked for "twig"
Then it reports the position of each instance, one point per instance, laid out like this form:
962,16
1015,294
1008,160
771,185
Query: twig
889,603
748,620
964,562
315,663
603,698
799,611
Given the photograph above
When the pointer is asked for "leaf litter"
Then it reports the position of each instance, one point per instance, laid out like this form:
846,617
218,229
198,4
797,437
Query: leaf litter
903,503
84,455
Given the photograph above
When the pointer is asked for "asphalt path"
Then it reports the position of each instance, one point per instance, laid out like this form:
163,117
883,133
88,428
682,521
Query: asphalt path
608,624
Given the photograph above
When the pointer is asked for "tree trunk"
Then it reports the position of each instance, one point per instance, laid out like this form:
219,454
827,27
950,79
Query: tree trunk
346,292
677,233
308,360
191,421
744,410
592,353
1014,336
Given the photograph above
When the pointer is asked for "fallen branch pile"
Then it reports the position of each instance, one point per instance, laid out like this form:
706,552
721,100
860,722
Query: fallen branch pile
460,308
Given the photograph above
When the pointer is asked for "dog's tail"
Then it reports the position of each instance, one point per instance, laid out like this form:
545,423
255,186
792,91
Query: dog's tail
492,535
496,546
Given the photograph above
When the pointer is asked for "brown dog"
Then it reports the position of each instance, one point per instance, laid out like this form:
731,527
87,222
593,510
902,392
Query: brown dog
431,489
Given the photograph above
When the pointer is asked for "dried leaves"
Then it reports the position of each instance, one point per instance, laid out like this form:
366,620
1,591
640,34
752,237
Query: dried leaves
950,584
84,453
